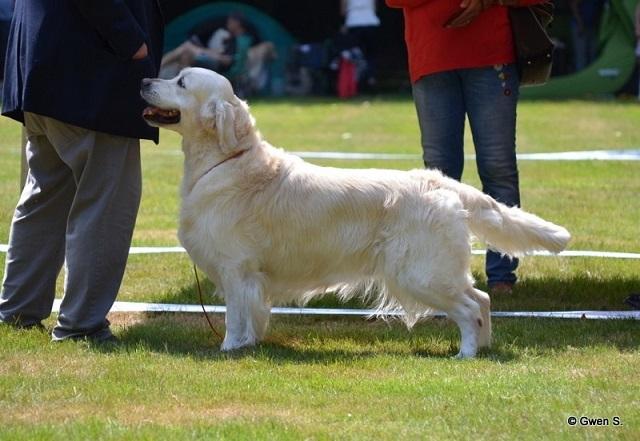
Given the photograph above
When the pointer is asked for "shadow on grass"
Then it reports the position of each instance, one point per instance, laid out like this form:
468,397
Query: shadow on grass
303,340
544,294
576,293
341,339
308,340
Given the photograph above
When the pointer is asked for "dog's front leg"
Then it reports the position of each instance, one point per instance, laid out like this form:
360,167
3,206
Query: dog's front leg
247,314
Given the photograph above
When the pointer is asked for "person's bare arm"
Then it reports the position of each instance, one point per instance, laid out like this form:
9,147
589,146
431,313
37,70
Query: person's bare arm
470,11
143,52
473,8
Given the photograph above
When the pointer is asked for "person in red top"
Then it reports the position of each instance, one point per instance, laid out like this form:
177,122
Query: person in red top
461,64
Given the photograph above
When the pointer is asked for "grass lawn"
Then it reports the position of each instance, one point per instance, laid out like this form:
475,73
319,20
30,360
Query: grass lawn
327,378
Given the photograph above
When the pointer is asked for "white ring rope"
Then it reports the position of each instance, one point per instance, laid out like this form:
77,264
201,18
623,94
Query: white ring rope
589,155
576,253
166,307
585,155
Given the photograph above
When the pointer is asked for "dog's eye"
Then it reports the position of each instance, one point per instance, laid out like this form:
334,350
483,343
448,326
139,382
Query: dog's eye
181,82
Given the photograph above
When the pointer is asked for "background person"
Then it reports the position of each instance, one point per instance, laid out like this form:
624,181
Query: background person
230,51
77,91
461,63
362,23
226,50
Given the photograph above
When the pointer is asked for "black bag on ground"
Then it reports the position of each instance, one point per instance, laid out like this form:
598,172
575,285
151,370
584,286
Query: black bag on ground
534,48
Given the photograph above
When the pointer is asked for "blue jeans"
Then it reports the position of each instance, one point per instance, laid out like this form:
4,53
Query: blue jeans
488,96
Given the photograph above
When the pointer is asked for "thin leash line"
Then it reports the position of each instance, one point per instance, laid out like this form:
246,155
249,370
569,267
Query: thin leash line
195,269
213,329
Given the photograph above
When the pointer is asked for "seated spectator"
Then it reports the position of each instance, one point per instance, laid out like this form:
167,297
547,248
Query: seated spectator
225,51
229,51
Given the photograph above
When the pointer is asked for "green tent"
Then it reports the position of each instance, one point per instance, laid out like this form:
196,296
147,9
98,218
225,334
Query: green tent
611,70
266,28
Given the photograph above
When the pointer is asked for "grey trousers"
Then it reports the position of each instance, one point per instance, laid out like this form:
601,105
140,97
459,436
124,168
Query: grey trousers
78,207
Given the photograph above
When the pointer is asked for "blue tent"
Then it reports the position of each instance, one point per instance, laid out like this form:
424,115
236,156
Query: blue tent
266,28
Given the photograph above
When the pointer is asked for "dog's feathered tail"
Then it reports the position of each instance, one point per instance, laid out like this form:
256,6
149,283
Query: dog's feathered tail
509,230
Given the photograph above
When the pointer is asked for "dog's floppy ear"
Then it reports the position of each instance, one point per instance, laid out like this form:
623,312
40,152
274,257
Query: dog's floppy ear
224,125
231,122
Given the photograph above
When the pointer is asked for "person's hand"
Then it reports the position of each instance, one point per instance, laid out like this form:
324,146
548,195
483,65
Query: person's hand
143,52
470,10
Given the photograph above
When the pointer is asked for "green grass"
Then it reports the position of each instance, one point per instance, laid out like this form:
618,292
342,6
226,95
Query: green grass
321,378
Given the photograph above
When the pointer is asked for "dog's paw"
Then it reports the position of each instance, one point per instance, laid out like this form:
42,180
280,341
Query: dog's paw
462,355
232,344
229,346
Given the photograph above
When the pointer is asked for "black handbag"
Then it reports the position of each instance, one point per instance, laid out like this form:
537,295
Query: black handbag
534,48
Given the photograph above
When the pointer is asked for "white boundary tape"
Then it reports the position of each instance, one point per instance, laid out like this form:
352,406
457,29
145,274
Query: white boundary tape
605,254
156,250
590,155
166,307
577,253
587,155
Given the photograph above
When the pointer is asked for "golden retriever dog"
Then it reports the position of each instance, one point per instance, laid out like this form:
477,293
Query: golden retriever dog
269,228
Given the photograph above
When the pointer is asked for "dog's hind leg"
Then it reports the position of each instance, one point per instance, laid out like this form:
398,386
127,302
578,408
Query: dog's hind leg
467,315
247,316
482,298
430,265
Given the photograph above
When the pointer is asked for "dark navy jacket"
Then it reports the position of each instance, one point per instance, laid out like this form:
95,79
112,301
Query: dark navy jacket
71,60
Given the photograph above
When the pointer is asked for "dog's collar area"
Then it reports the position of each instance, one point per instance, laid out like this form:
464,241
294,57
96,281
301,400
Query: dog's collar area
234,156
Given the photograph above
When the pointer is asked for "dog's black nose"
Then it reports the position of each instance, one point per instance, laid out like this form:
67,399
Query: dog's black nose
146,83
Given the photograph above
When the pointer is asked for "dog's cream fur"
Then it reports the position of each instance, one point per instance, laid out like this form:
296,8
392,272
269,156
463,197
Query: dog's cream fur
269,228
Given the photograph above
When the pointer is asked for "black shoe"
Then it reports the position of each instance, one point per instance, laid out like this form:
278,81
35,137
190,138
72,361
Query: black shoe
501,289
111,340
20,324
101,336
633,301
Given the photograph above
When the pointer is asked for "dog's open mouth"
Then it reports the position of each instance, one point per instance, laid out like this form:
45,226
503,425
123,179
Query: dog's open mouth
161,116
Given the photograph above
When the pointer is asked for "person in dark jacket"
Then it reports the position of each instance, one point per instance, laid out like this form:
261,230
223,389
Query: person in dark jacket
72,77
6,11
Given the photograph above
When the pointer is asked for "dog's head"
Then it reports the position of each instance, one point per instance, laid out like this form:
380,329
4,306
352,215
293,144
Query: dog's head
198,103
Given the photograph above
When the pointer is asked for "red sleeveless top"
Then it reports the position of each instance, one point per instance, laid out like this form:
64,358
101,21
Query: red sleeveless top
432,48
